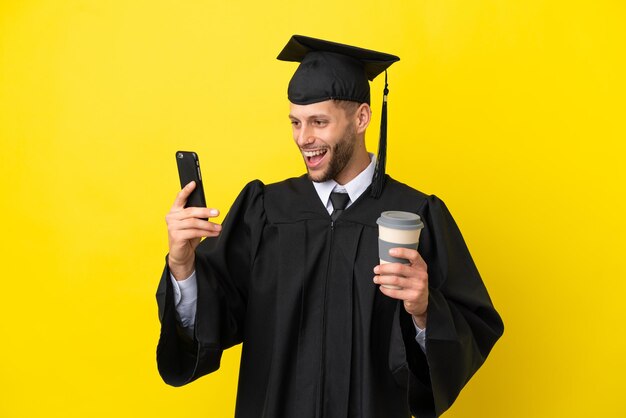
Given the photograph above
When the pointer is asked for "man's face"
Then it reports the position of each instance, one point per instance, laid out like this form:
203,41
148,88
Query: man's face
326,136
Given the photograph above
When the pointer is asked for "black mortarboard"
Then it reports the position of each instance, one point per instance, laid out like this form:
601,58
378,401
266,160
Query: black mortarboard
329,70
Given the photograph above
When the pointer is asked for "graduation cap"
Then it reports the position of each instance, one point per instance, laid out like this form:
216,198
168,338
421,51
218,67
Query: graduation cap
329,70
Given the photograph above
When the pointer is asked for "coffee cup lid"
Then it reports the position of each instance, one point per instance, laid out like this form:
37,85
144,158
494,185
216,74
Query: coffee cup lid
400,220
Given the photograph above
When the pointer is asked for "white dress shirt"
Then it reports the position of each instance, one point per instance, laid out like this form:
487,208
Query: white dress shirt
186,291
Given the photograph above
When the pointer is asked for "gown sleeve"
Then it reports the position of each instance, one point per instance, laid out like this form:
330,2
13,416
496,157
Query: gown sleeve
462,323
223,266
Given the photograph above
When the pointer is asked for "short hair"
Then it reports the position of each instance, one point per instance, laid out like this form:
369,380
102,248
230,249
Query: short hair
348,106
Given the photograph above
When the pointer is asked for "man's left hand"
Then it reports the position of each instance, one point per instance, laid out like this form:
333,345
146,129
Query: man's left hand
412,279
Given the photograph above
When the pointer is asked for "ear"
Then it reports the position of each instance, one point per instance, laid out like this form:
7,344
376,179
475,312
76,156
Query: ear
363,116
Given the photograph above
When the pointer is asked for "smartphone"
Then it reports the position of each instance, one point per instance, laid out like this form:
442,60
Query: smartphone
189,170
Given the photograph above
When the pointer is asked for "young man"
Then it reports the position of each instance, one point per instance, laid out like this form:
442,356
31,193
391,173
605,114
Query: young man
294,275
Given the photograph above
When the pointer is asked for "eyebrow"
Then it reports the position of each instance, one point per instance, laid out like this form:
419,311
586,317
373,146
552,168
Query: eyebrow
317,116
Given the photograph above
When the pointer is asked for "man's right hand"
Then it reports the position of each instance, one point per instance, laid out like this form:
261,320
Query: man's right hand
185,228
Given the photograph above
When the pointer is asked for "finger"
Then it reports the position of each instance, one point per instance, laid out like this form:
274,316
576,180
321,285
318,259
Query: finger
190,234
390,280
200,213
410,297
408,254
403,275
397,269
399,294
195,223
183,195
192,212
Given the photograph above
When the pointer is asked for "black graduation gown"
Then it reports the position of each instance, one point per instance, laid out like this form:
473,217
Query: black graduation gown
319,338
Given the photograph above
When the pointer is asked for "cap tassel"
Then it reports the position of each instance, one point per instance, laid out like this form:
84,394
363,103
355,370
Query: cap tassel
378,180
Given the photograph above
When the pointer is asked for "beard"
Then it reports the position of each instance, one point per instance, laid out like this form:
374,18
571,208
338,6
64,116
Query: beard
341,154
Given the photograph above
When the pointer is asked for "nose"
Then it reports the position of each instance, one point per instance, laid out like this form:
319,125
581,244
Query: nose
304,136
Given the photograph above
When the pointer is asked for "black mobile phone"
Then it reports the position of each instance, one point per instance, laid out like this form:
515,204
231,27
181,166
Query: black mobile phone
189,170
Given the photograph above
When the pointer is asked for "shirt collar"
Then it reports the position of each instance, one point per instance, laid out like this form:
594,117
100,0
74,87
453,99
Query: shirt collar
354,187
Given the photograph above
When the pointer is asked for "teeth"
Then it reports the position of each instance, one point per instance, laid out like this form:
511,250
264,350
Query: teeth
313,153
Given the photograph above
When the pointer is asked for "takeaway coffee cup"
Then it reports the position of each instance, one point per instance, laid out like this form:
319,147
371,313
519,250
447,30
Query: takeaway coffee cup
397,229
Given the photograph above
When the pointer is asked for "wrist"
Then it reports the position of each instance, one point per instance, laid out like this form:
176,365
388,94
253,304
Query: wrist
420,320
181,271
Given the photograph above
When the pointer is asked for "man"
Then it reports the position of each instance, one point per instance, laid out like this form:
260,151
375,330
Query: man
294,275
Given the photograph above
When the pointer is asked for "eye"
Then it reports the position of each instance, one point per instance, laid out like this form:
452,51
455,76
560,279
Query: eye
295,123
320,122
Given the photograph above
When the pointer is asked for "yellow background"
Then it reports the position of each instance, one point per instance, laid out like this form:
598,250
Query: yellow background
511,111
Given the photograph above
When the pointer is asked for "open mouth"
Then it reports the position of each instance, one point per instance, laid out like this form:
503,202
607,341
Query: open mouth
314,157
